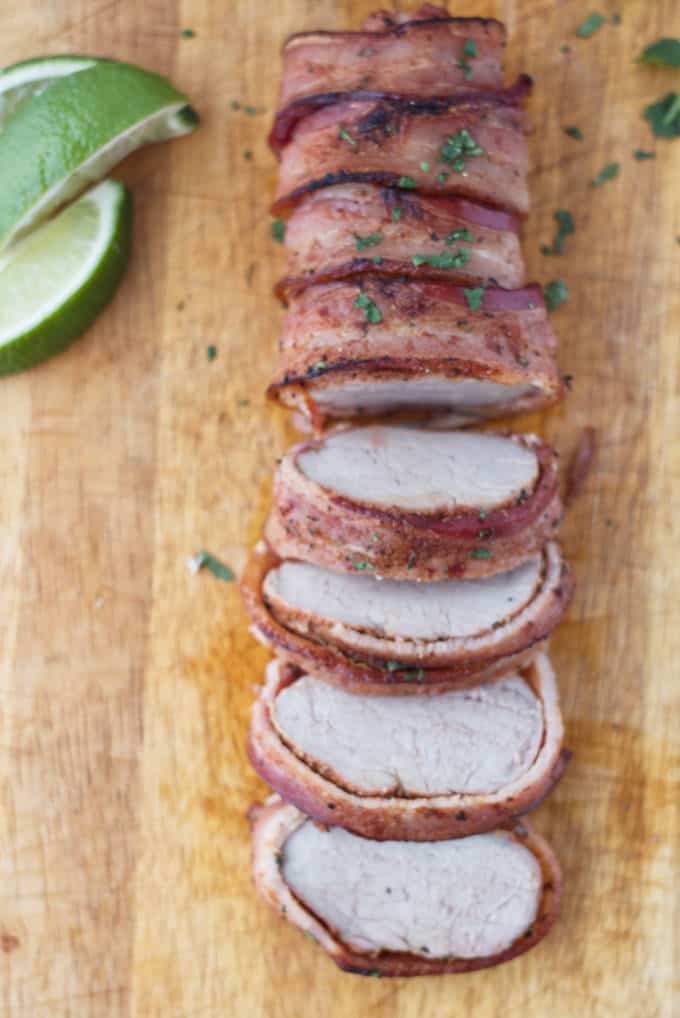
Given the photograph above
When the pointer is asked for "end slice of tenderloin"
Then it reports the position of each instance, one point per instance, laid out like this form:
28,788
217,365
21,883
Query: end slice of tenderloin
415,504
420,768
423,54
343,231
401,908
377,635
387,345
388,139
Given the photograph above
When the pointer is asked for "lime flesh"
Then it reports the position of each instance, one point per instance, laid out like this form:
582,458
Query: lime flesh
55,282
28,78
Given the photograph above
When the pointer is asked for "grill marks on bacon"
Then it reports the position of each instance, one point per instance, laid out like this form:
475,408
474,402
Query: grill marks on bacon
421,53
427,343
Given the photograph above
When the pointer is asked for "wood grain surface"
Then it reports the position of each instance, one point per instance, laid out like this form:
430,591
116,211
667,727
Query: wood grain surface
127,682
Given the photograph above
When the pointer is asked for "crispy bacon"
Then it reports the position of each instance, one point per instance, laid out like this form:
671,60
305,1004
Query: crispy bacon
387,344
343,231
421,53
396,140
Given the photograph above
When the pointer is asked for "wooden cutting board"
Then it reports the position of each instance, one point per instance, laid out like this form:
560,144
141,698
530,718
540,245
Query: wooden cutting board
127,682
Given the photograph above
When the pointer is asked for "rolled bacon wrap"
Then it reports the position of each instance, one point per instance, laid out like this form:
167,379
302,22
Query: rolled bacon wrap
344,231
468,761
356,631
315,878
338,502
425,53
393,344
471,145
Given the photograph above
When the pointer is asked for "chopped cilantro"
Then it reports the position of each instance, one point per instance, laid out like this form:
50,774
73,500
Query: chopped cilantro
470,48
204,560
640,154
446,260
610,171
664,116
211,353
370,240
187,33
463,234
474,297
374,972
406,182
574,132
480,553
425,167
344,135
482,514
457,148
371,309
247,154
361,565
663,53
590,26
555,293
279,231
252,111
396,215
565,227
442,177
376,259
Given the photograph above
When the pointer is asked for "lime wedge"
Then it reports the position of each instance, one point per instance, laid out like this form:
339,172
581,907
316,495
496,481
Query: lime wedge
29,77
55,282
73,132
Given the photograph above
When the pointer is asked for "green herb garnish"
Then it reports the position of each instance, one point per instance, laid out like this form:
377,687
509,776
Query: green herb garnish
247,154
235,104
446,260
279,231
361,565
396,215
376,259
370,240
640,154
442,177
344,135
555,293
406,182
610,171
664,116
480,553
204,560
662,53
482,514
211,353
565,227
469,50
187,33
574,132
425,167
455,235
370,308
457,148
252,111
474,297
590,26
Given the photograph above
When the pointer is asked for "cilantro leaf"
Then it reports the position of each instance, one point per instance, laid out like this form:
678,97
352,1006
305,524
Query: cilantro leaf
406,182
463,234
590,26
474,297
662,53
555,293
457,148
279,231
574,132
370,240
446,260
344,135
610,171
370,308
641,154
664,116
565,227
396,214
211,353
470,48
204,560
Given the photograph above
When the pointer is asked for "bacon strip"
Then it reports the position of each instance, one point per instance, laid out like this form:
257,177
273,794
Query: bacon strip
423,55
429,350
388,139
273,824
344,231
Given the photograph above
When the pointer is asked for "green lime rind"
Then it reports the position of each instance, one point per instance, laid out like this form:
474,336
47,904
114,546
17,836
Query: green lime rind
21,82
79,307
72,133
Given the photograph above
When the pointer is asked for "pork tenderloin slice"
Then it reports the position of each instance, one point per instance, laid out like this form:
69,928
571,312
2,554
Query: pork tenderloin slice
342,231
421,767
305,596
421,347
359,658
400,908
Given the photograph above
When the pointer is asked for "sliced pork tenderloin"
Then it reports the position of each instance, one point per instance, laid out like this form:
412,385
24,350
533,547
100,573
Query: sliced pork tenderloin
472,145
373,634
420,768
423,53
343,231
413,504
393,344
401,908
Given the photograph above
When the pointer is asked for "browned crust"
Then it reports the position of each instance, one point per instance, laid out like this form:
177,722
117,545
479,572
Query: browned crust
363,672
388,818
273,824
318,525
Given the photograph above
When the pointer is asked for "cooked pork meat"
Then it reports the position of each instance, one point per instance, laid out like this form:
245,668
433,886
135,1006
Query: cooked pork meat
439,765
363,632
343,231
425,53
472,145
394,344
413,504
397,908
